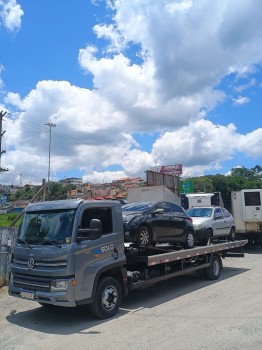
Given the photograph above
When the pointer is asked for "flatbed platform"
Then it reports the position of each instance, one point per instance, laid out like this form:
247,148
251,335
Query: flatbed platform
154,255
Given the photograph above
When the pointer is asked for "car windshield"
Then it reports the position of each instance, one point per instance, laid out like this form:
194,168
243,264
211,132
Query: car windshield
199,212
135,207
47,227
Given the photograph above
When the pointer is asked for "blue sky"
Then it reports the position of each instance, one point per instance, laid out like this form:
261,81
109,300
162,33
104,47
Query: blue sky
129,85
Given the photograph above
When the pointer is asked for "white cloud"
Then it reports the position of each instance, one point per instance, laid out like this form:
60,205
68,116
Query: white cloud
241,100
11,14
185,48
251,143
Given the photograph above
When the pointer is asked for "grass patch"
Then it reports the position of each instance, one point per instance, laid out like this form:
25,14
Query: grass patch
7,219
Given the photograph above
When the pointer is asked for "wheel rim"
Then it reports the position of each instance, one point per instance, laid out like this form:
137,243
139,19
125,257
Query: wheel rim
190,240
216,268
109,298
144,236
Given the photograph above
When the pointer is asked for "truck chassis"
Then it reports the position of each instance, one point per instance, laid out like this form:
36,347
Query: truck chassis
151,265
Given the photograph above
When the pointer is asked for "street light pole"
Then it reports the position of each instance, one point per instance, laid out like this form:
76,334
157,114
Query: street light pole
49,154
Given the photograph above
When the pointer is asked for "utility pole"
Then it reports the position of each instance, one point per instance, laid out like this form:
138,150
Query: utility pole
2,114
49,154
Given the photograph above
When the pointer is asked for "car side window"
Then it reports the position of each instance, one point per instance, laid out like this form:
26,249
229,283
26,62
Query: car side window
218,212
166,207
226,213
176,209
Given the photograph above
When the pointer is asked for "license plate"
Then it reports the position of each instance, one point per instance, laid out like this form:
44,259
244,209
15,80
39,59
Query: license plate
27,295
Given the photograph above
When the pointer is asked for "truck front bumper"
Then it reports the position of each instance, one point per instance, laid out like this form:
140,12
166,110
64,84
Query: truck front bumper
59,298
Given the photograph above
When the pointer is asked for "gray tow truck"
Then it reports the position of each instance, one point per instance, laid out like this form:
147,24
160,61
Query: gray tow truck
72,253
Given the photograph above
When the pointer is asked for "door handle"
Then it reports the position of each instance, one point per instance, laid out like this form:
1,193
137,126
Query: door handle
115,254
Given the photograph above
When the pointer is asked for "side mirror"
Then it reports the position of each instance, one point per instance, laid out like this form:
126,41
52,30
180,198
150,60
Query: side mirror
218,216
94,231
158,211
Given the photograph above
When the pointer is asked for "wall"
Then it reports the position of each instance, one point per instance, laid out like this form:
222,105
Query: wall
7,237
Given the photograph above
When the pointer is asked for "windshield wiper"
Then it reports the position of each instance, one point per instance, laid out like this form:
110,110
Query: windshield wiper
19,240
47,241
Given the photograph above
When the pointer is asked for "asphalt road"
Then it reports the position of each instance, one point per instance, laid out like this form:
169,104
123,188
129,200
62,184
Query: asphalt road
184,313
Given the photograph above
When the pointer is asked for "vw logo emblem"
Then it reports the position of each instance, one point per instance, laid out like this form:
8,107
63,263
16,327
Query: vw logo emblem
31,264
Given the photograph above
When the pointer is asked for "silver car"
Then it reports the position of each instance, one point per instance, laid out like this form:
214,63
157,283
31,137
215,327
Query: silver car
212,222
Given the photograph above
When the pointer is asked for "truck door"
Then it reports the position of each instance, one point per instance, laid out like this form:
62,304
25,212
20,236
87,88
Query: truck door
92,255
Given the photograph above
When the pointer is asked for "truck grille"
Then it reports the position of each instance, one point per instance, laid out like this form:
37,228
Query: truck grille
33,283
43,264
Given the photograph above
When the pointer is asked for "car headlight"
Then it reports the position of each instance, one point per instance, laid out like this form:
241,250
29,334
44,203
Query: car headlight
59,285
128,218
200,227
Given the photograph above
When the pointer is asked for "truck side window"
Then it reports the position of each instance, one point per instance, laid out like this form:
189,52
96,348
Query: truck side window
252,199
102,214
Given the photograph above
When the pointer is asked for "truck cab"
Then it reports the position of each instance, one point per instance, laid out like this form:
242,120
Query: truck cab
63,248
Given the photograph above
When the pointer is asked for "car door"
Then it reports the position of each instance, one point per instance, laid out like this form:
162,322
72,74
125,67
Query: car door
160,221
219,226
229,221
178,221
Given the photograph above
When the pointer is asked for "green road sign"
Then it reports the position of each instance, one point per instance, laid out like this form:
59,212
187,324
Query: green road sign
186,186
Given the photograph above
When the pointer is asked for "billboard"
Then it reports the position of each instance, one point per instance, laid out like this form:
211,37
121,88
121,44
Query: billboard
168,169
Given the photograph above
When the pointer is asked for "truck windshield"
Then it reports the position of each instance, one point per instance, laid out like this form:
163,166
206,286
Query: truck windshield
47,227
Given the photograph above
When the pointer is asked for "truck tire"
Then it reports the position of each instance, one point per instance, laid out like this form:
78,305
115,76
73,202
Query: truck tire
108,298
232,234
213,271
190,240
144,236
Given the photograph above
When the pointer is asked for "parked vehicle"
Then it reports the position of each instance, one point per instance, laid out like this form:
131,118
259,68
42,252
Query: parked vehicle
212,222
247,212
147,223
91,264
152,194
189,200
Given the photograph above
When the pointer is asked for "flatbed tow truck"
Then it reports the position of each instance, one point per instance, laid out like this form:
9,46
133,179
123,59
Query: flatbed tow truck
90,263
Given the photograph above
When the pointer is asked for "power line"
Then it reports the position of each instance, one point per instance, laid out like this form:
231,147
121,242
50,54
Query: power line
35,127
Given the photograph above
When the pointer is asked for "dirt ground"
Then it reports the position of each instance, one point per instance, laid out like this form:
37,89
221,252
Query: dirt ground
183,313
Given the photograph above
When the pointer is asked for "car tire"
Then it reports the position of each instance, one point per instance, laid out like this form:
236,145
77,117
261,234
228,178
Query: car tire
107,299
190,240
144,236
209,234
232,234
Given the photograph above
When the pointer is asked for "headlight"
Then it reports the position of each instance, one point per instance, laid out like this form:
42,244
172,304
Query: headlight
128,218
200,227
59,285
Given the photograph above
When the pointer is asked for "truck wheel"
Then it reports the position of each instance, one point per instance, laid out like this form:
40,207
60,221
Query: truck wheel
190,240
232,234
108,298
213,271
144,236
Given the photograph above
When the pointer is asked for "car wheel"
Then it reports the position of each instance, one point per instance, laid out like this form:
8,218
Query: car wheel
190,240
209,234
144,236
232,234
